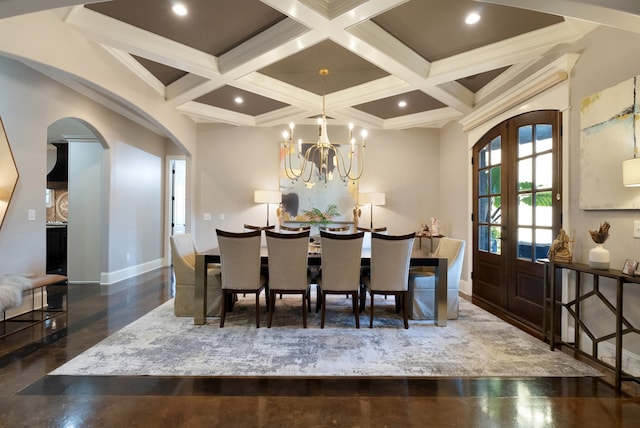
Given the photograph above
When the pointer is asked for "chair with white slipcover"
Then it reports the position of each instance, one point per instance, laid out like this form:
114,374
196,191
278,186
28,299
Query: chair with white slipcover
183,253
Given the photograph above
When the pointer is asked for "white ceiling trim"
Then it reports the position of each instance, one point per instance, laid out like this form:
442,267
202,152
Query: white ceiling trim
206,112
283,116
428,119
552,74
132,64
262,45
384,87
108,31
504,53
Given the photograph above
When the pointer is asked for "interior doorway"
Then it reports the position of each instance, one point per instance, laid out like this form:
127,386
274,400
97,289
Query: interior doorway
75,201
178,196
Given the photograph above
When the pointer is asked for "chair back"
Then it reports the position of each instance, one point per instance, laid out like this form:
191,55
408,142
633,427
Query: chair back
390,259
252,227
300,228
183,256
240,259
345,228
453,250
341,256
288,260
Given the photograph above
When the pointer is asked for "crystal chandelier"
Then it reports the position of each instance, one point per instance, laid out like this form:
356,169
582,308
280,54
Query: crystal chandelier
323,156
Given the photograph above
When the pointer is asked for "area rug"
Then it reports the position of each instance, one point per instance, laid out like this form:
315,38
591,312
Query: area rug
478,344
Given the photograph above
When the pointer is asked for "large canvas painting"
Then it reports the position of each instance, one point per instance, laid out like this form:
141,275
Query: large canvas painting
609,126
298,197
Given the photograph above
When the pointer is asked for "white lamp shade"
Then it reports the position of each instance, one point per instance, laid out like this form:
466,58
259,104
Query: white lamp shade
631,172
267,196
376,198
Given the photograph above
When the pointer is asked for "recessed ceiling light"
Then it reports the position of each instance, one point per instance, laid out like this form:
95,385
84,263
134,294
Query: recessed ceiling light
402,104
238,100
472,18
179,9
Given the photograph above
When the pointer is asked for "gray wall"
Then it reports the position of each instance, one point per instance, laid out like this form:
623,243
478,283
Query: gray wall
232,162
133,216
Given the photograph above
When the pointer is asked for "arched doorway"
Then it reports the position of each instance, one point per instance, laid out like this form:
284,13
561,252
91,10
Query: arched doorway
76,202
517,213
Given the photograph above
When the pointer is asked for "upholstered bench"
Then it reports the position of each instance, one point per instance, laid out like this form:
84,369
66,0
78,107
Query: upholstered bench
12,290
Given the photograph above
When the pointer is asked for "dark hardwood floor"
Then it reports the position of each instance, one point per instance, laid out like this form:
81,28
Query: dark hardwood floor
30,398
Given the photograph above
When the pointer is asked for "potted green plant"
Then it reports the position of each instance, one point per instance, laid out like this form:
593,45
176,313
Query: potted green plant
315,216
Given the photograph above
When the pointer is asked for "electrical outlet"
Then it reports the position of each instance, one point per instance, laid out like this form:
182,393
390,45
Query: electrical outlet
221,216
636,229
128,257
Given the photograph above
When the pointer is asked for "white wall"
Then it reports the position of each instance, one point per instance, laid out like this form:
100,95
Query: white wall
232,162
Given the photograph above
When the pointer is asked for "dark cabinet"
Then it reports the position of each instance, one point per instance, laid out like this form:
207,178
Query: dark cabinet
57,249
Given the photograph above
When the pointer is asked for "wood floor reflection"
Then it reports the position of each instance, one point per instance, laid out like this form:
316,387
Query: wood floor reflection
31,398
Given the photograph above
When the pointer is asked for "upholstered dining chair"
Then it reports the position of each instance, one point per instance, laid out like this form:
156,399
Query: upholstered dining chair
183,255
240,265
288,254
422,282
389,273
340,272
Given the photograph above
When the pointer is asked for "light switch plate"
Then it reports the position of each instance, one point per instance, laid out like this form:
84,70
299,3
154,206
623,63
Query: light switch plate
206,216
31,215
636,229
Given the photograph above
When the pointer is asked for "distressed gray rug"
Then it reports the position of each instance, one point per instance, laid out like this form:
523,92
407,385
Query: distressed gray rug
478,344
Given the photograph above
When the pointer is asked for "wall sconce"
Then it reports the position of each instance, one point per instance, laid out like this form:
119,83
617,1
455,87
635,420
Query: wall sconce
267,197
371,199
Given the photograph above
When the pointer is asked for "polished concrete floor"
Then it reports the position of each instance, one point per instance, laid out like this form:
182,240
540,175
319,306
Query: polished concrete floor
30,398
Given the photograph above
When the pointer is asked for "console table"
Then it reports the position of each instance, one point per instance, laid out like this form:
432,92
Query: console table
622,325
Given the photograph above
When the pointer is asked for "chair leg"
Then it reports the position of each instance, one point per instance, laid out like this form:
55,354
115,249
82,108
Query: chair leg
304,309
319,299
356,308
271,304
371,310
224,308
324,301
258,308
405,308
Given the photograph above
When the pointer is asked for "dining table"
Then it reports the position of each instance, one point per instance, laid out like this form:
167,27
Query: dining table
418,258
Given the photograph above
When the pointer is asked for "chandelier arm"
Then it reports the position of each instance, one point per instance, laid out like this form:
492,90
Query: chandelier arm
345,174
309,153
291,175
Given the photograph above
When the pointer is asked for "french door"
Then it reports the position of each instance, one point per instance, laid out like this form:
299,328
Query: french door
516,213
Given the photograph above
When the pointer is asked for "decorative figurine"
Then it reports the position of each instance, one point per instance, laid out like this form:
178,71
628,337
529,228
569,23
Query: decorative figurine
560,250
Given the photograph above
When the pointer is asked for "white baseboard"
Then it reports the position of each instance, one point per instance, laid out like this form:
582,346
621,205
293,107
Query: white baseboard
122,274
466,287
607,353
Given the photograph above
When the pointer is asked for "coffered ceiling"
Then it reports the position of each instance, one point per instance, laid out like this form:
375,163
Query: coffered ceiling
379,53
